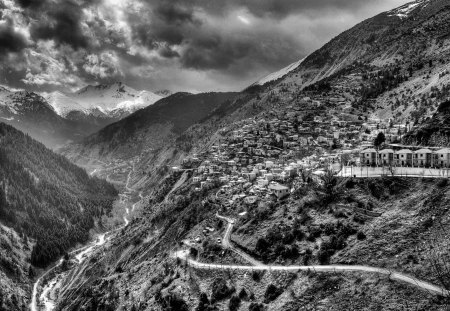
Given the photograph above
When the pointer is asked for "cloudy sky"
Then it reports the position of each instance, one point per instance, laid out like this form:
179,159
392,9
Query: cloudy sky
191,45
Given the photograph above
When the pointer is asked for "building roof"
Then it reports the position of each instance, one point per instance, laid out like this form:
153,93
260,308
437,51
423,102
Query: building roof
368,150
444,150
404,151
278,187
387,151
424,150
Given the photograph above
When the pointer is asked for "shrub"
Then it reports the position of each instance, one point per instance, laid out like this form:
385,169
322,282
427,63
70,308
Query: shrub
256,307
256,276
173,302
272,293
360,236
323,256
442,183
220,290
234,303
243,294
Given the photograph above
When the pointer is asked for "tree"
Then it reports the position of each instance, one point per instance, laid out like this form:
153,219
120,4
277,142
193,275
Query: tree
234,303
379,140
330,187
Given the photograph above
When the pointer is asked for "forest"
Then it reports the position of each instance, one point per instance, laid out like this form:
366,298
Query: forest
46,197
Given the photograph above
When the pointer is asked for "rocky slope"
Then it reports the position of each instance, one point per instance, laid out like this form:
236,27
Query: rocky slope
135,271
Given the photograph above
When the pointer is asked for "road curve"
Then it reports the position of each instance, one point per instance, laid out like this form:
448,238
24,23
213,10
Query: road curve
227,245
397,276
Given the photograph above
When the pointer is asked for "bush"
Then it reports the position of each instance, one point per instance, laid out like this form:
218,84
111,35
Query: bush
243,294
173,302
360,236
442,183
256,276
234,303
220,290
256,307
323,256
272,293
203,303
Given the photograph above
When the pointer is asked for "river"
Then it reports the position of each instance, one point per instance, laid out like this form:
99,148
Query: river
45,301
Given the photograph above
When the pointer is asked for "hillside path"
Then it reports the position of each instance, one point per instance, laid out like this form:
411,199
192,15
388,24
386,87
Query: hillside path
258,266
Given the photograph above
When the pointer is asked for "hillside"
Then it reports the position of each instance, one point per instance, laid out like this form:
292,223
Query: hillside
138,270
434,131
44,199
394,65
150,128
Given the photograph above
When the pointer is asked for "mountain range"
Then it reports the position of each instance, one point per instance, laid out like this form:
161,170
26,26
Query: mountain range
57,118
115,100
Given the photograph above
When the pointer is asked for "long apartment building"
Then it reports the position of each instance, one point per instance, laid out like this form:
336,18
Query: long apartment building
424,157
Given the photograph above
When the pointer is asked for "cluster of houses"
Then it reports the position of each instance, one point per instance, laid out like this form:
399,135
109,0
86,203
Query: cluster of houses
257,157
399,155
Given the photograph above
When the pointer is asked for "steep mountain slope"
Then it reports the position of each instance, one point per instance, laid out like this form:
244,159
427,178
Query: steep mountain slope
279,74
409,43
150,128
44,199
30,113
434,131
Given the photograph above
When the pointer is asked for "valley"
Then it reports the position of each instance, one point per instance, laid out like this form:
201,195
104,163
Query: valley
47,287
322,186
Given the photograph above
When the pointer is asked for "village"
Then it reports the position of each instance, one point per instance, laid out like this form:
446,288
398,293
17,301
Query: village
273,154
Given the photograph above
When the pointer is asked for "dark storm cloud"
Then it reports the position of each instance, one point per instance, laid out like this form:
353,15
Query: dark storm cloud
11,41
31,3
273,8
59,21
175,31
177,44
63,26
174,13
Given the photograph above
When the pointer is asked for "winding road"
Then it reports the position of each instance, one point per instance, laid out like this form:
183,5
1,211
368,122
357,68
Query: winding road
228,245
257,266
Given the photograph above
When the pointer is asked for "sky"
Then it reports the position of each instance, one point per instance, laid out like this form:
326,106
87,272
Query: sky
179,45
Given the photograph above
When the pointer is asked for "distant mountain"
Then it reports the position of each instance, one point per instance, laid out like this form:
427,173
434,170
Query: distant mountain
57,118
30,112
149,128
115,100
164,93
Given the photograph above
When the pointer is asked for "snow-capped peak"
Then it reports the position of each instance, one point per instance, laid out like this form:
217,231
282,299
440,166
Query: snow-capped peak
109,99
279,74
62,104
405,10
